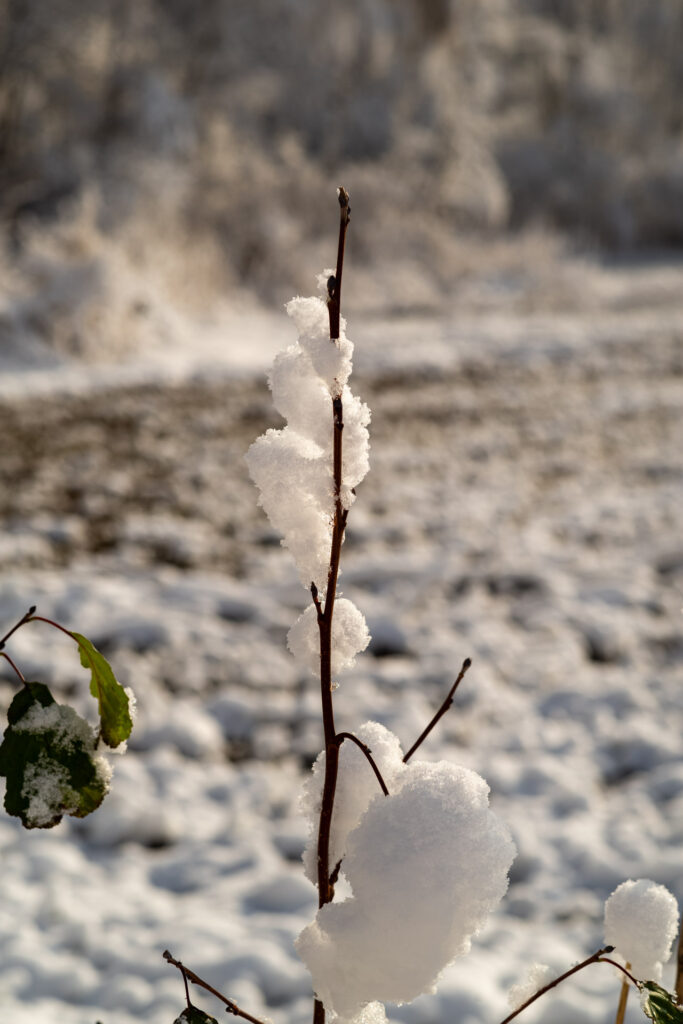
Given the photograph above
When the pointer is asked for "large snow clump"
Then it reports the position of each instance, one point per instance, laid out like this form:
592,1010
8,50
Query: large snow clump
293,467
641,922
426,864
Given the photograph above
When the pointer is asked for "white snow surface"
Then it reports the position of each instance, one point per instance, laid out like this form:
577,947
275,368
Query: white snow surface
641,922
523,507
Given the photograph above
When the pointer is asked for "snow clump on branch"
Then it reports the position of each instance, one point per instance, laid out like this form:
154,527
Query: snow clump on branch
641,922
426,864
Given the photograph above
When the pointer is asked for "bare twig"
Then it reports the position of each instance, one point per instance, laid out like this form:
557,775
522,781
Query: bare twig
316,601
441,712
334,284
3,654
594,959
22,621
189,975
619,967
341,736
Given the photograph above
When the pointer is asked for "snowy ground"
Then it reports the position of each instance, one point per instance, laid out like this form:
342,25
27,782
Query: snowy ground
523,507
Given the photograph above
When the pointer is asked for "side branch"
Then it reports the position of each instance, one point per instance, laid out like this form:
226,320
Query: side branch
335,283
22,621
5,655
341,736
189,975
594,959
441,712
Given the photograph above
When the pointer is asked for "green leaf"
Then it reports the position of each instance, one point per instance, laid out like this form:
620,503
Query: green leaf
48,758
192,1015
112,699
660,1005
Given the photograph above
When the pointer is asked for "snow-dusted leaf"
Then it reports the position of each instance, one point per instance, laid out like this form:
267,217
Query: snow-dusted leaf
48,758
192,1015
115,720
660,1005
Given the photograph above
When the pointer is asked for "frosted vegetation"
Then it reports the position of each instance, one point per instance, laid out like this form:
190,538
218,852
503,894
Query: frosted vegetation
408,858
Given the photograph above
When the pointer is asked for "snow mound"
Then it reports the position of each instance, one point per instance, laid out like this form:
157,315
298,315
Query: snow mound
350,636
427,864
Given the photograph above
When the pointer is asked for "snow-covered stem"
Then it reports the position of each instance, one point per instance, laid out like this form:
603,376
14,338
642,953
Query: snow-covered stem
189,975
325,615
442,711
596,958
341,736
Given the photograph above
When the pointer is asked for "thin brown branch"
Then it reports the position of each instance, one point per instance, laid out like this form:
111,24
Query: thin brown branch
679,968
619,967
341,736
441,712
189,975
334,284
5,655
22,621
594,959
316,601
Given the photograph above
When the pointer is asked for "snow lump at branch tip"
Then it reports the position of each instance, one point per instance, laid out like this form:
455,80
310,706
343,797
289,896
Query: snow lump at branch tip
641,922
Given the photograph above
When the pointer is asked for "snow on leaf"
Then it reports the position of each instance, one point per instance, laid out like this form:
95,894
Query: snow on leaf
660,1005
193,1015
112,699
48,758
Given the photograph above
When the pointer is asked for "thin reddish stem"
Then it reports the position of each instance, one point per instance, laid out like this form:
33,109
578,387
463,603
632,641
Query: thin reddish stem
341,736
22,622
189,975
441,712
594,959
3,654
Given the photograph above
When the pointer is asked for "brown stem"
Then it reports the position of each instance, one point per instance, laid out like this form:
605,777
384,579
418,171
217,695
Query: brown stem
679,968
623,999
620,967
341,736
3,654
334,285
325,888
22,621
594,959
189,975
51,622
441,712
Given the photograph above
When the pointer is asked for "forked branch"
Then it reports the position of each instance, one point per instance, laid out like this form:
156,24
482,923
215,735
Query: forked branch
441,712
189,975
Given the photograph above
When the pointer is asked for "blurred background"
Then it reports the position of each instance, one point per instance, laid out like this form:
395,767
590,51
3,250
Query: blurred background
173,152
514,287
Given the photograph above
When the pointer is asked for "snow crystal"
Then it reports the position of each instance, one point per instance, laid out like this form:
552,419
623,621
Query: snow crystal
356,787
426,865
46,787
538,976
350,636
641,922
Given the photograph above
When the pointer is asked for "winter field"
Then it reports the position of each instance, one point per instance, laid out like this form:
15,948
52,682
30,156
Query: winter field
523,507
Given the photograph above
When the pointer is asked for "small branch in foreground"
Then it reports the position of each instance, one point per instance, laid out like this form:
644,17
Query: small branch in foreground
22,621
189,975
341,736
3,654
335,283
441,712
594,959
316,601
